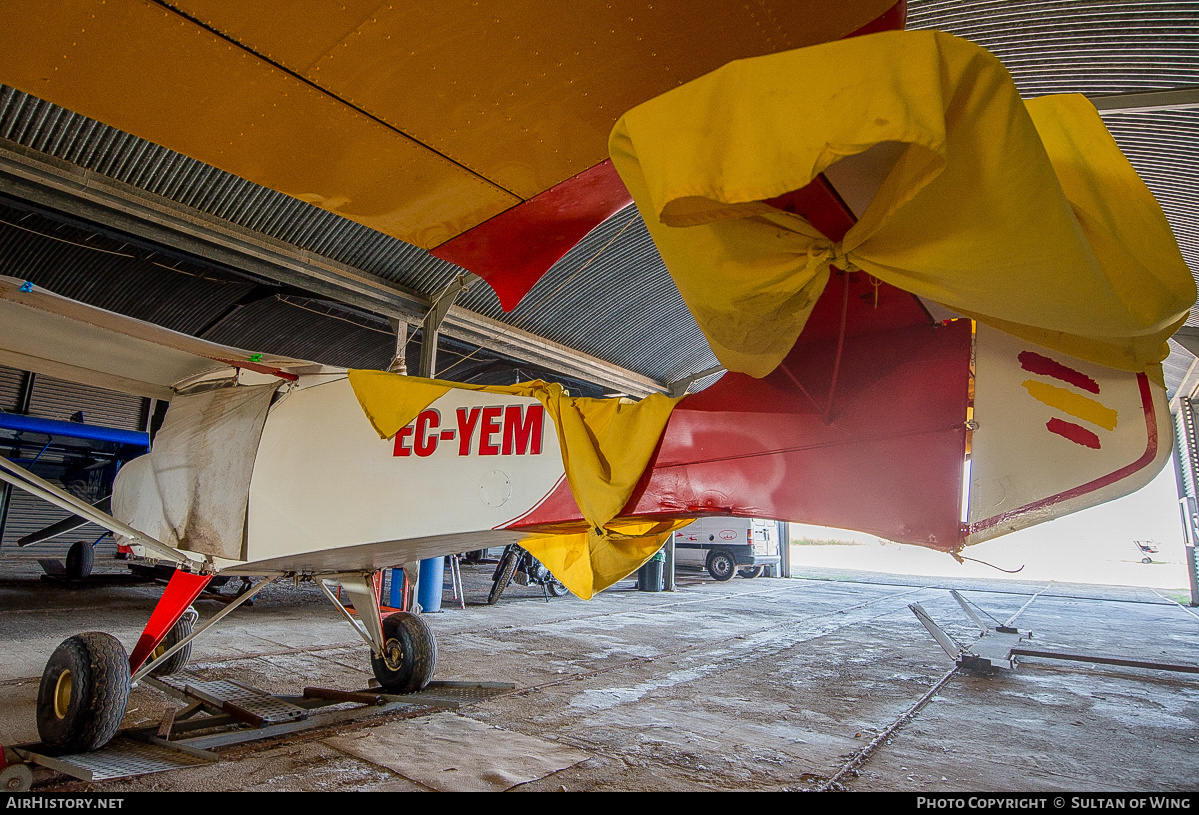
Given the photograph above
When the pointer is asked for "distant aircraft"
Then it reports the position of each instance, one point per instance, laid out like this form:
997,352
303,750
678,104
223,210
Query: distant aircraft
935,328
84,456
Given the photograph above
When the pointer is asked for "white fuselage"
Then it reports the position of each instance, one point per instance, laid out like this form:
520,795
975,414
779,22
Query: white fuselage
324,483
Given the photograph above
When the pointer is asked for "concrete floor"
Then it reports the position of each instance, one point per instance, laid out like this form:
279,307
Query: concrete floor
760,684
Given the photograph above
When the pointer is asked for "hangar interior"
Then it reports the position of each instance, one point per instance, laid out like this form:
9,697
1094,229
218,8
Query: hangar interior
799,679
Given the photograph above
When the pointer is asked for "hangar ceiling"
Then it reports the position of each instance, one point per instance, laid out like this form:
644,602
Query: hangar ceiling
97,214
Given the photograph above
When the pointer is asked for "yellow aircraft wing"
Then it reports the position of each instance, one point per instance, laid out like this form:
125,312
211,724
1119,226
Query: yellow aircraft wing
422,121
419,120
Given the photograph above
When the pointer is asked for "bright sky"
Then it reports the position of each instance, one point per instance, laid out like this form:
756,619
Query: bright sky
1092,546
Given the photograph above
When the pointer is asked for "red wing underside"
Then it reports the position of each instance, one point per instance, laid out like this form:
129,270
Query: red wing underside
513,250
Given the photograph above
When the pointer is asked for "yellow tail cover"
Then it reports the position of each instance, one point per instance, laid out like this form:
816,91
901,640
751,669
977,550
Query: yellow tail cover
1024,216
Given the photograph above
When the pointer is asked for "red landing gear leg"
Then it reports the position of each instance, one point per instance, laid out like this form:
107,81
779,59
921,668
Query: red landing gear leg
183,588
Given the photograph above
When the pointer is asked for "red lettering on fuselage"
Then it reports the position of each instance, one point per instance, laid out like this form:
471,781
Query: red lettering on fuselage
425,442
507,430
521,436
491,426
466,429
401,448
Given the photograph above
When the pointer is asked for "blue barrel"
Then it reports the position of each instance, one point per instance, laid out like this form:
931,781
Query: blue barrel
396,595
432,583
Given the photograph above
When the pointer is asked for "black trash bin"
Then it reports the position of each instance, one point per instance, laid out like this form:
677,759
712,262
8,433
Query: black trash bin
650,575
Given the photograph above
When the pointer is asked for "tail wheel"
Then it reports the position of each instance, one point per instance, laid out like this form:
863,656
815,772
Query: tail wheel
722,565
16,778
503,578
84,692
180,630
80,558
558,588
752,572
409,653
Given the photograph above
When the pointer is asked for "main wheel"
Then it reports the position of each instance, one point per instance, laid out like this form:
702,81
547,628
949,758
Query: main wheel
83,694
721,565
409,653
752,571
557,587
180,630
503,578
80,558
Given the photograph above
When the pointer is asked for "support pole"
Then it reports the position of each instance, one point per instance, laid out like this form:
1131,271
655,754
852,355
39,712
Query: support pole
399,360
432,322
1193,572
669,564
5,498
784,549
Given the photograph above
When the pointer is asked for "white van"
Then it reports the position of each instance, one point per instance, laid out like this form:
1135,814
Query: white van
728,546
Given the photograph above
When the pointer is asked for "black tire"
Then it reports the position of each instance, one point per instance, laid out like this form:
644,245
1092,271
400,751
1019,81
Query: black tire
722,565
80,558
750,572
1146,560
84,692
410,653
503,577
178,660
557,588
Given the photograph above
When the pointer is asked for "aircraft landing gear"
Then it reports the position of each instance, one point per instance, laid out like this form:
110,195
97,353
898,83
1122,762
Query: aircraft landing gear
80,558
409,654
403,649
86,684
178,660
84,692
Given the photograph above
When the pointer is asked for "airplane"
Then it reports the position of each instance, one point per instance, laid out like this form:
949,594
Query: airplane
76,453
936,327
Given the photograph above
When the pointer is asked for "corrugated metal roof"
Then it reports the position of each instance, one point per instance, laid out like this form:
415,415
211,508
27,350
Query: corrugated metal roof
1095,47
331,339
115,275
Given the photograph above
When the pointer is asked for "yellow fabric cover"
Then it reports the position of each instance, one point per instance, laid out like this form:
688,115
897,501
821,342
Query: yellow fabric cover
605,443
1027,218
588,563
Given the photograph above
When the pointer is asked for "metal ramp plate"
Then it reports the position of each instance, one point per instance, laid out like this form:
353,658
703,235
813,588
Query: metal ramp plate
235,699
455,694
121,758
